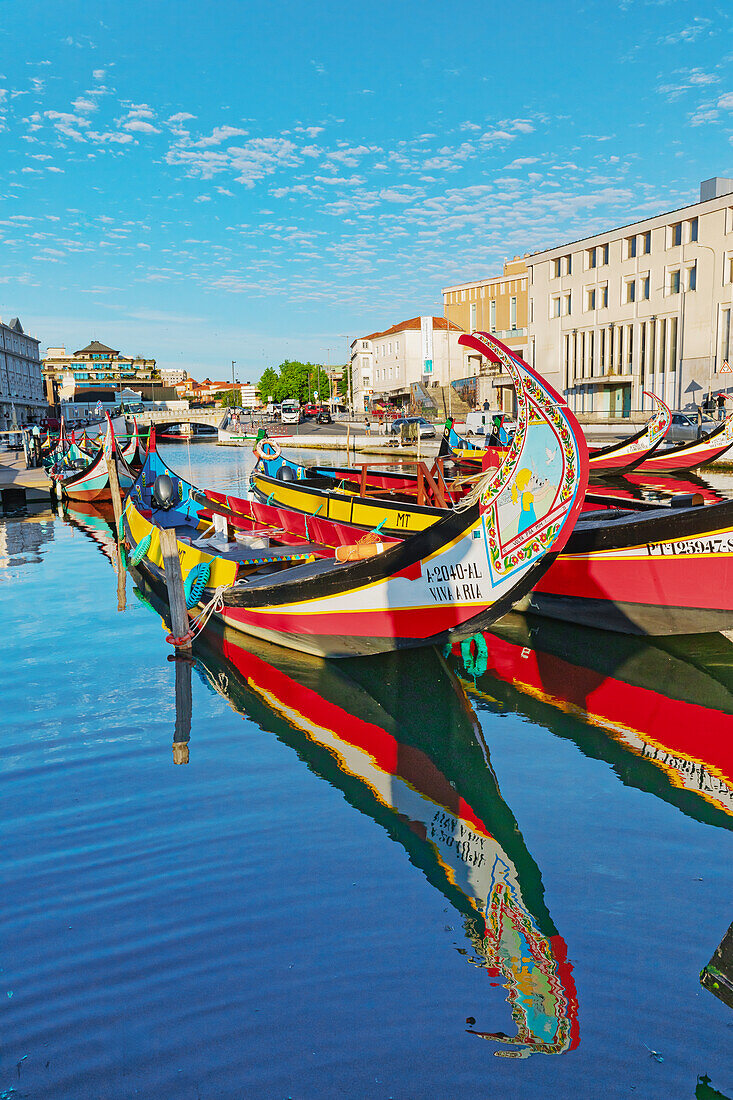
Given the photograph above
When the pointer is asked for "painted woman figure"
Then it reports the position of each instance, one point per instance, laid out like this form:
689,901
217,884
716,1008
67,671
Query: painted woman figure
520,492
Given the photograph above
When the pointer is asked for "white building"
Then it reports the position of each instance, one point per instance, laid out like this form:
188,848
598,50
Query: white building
388,365
22,397
250,395
170,376
643,307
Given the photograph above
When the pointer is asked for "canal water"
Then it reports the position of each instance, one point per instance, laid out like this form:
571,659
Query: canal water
495,871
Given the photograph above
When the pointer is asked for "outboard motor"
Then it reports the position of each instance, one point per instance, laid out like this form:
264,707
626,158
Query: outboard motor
163,492
286,473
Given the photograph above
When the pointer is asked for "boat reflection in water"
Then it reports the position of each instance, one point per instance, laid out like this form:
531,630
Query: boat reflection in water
659,711
397,735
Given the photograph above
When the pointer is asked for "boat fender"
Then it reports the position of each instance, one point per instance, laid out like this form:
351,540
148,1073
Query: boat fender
268,449
359,551
195,583
475,655
141,549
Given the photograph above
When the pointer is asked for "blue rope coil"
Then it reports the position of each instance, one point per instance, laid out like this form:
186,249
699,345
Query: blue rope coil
195,583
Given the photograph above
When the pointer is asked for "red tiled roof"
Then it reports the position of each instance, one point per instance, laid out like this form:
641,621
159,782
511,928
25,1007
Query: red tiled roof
439,323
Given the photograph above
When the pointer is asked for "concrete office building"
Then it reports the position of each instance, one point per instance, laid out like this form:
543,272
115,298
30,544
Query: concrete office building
646,306
22,397
499,305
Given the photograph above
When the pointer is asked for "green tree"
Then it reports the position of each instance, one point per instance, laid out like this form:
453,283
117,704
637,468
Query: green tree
231,398
269,385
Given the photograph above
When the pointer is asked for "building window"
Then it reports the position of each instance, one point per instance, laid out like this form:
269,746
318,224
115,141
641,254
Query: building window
672,324
473,316
630,291
662,345
556,268
531,311
604,254
603,291
568,304
555,307
483,291
692,277
568,265
629,342
728,270
693,229
492,316
647,242
644,287
642,352
590,299
602,351
591,257
512,313
675,236
674,281
724,338
630,248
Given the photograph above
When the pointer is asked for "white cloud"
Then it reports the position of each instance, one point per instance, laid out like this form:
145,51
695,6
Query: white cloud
98,74
218,136
138,126
82,104
182,116
686,34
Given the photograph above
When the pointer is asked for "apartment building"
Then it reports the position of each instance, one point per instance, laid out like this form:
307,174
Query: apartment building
644,307
22,398
386,365
171,376
95,365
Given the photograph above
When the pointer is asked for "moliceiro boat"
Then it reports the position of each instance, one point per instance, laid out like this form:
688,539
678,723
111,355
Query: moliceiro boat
627,454
459,575
689,456
88,479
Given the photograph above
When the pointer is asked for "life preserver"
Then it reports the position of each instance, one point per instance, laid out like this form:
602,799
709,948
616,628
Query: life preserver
275,452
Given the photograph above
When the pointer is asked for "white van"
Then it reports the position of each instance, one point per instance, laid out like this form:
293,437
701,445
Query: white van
480,423
290,412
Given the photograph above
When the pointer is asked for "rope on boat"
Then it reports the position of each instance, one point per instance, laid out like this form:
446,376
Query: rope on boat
216,603
195,583
305,518
141,549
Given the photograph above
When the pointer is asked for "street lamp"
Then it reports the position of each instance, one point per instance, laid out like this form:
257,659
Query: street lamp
344,336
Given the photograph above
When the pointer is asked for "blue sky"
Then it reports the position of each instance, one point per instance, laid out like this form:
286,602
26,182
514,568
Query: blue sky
255,181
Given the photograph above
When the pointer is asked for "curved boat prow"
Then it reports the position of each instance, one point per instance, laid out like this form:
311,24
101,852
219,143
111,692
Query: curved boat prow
532,500
630,453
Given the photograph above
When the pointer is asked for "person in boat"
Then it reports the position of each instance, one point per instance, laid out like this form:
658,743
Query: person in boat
495,436
526,499
699,421
721,405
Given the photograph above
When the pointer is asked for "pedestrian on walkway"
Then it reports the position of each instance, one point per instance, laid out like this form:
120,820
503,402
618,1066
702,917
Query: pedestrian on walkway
721,405
368,425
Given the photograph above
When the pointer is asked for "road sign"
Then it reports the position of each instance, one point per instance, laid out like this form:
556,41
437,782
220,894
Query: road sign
726,368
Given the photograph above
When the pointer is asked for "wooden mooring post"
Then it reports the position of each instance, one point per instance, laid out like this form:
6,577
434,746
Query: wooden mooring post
176,594
184,706
116,494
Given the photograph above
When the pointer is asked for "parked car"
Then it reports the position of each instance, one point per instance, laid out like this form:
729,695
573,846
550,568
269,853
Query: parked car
310,410
324,417
425,428
684,427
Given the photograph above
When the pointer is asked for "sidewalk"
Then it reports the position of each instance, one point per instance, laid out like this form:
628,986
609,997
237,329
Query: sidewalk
19,486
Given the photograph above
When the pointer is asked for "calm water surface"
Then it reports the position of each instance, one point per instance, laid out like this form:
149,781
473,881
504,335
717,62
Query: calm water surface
363,878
